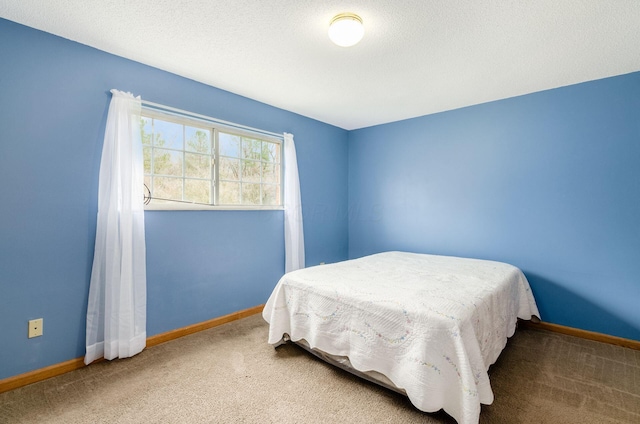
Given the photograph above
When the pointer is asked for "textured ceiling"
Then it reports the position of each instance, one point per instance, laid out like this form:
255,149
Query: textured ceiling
417,56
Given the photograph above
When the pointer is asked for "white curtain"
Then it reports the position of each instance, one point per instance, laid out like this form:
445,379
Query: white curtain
293,231
116,314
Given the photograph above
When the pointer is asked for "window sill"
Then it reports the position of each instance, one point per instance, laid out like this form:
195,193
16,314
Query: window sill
197,207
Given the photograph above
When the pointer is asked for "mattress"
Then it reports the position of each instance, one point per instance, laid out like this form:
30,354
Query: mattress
430,325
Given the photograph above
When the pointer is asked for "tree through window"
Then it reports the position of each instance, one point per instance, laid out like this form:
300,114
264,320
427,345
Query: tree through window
188,162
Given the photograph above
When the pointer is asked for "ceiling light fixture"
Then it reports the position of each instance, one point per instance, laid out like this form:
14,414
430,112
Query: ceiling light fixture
346,29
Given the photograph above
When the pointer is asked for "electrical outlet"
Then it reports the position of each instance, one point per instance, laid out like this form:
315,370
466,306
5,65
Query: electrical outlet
35,327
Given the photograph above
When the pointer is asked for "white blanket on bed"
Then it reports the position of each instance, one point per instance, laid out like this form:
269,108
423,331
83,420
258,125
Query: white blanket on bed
432,324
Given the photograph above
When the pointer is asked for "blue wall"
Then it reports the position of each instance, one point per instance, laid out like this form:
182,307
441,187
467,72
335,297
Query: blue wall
54,96
548,181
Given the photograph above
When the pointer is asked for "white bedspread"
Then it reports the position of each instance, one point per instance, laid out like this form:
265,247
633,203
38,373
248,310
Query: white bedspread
432,324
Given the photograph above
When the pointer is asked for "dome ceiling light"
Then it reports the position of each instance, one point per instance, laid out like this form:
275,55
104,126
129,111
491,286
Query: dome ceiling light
346,29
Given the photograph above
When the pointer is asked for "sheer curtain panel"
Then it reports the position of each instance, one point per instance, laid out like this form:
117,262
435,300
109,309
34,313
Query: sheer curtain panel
117,309
293,230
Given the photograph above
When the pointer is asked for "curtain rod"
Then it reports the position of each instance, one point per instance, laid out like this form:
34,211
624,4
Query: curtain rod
209,119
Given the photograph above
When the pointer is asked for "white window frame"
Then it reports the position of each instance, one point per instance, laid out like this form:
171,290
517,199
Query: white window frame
215,126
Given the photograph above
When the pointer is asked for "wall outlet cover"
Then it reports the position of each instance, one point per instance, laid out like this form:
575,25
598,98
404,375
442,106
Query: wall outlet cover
35,327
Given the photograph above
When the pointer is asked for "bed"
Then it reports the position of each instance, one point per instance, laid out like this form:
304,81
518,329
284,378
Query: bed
426,326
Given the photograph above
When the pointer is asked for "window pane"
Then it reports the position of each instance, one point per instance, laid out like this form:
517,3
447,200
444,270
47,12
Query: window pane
250,171
229,169
180,164
197,166
229,144
197,140
270,152
229,193
271,173
251,148
167,162
168,134
250,194
197,190
146,131
167,188
270,194
146,154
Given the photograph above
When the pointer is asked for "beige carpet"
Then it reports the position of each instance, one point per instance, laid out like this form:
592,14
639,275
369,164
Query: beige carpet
229,374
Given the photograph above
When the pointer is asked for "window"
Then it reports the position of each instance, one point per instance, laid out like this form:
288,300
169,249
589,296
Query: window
190,162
